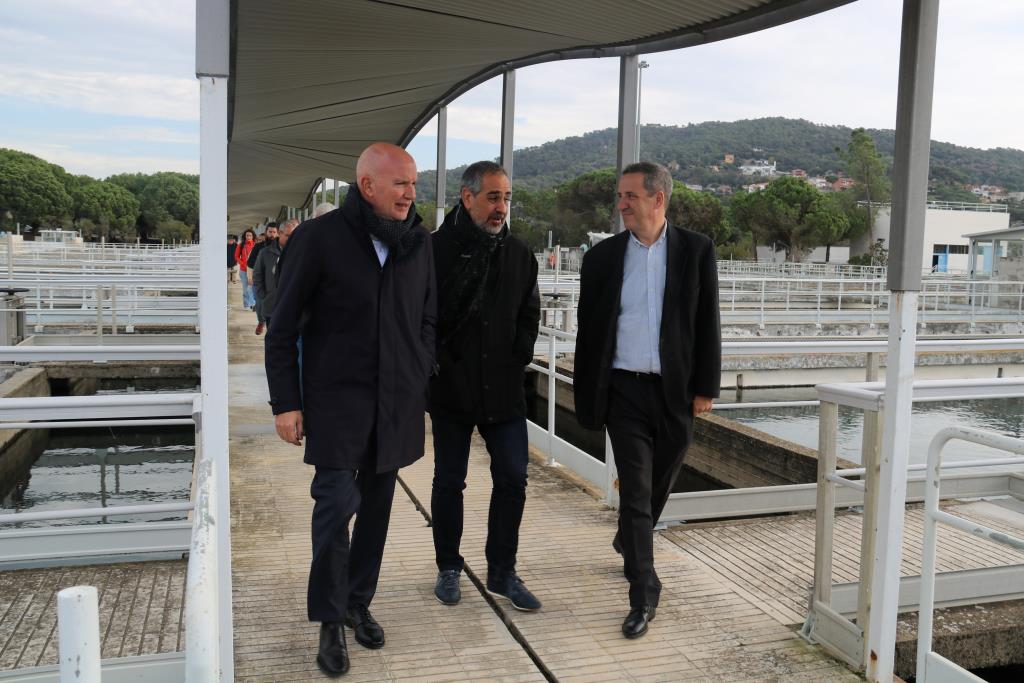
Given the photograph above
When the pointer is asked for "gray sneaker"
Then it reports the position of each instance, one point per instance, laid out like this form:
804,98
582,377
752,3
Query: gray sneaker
446,590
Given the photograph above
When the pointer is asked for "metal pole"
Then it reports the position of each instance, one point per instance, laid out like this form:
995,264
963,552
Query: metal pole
552,390
99,313
113,309
627,152
10,257
910,184
508,114
442,170
639,95
212,69
337,193
78,628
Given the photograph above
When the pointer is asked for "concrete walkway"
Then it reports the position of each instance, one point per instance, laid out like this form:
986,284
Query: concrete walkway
707,628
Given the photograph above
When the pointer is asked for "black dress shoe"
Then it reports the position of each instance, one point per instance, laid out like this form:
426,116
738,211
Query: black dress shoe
636,623
368,631
332,657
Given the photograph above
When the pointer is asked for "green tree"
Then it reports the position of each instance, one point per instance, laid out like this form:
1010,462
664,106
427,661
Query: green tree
829,223
103,209
31,191
585,204
698,211
172,230
783,214
868,169
165,197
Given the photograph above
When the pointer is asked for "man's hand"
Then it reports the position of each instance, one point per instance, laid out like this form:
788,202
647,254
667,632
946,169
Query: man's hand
701,405
289,427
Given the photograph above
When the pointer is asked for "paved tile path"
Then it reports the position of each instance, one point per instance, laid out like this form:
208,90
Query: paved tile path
733,591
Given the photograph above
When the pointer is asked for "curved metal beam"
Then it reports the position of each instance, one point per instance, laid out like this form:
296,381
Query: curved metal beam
751,21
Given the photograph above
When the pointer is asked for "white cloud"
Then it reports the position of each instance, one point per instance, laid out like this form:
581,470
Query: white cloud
146,95
122,134
101,165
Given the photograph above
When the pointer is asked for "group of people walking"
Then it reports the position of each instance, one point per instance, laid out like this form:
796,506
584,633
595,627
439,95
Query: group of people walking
395,321
254,261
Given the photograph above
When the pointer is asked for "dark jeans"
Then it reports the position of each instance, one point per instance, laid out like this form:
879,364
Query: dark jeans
648,457
344,573
509,449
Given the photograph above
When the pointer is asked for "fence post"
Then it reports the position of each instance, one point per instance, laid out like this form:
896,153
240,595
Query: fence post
871,451
78,625
99,313
825,509
113,309
552,398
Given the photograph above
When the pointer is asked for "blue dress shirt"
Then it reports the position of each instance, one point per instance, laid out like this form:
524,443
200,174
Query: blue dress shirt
381,249
643,292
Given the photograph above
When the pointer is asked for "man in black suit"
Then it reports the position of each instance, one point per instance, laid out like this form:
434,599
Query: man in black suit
648,359
361,278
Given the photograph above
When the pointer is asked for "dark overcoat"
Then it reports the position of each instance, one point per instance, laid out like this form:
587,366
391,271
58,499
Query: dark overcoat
367,345
690,341
481,371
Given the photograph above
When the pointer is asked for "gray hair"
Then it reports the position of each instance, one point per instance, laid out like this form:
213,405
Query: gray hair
473,176
656,177
322,208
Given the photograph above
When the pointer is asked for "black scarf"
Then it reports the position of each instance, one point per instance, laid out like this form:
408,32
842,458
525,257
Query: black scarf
398,236
463,289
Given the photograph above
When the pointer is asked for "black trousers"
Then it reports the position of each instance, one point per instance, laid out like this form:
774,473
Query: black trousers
508,446
648,456
345,573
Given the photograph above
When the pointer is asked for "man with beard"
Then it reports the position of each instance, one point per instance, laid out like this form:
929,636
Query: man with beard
364,276
264,274
488,312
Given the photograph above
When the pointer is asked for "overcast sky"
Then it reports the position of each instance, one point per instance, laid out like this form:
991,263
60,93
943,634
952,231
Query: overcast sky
108,87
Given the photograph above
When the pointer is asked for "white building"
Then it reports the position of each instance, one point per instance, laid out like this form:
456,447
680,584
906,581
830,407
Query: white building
761,167
945,226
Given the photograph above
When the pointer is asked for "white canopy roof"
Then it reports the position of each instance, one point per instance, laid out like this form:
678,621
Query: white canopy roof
314,81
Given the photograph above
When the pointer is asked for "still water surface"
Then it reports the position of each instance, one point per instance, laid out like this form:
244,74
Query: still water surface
800,425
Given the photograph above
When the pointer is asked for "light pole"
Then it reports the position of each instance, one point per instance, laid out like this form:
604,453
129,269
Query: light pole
639,94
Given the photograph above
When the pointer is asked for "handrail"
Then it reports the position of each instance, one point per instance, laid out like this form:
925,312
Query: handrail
928,662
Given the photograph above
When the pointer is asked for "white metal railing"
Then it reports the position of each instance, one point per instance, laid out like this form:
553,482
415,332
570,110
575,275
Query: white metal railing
932,667
204,602
750,298
553,342
826,624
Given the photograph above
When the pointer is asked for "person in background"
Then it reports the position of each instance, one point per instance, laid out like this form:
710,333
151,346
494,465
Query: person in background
264,274
232,264
365,275
242,251
269,237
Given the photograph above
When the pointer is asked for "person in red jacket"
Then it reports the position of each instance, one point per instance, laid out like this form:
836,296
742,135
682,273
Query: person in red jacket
242,252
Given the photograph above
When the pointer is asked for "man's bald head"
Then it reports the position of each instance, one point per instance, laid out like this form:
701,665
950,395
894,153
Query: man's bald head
386,178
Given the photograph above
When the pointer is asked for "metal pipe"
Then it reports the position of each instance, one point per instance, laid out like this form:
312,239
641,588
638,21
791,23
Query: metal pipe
84,513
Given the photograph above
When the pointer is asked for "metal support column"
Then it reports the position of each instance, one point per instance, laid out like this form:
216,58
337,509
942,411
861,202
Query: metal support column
442,169
337,193
212,69
906,237
508,116
629,88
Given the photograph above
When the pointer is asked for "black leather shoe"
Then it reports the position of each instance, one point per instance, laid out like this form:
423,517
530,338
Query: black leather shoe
636,623
368,631
332,658
617,543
